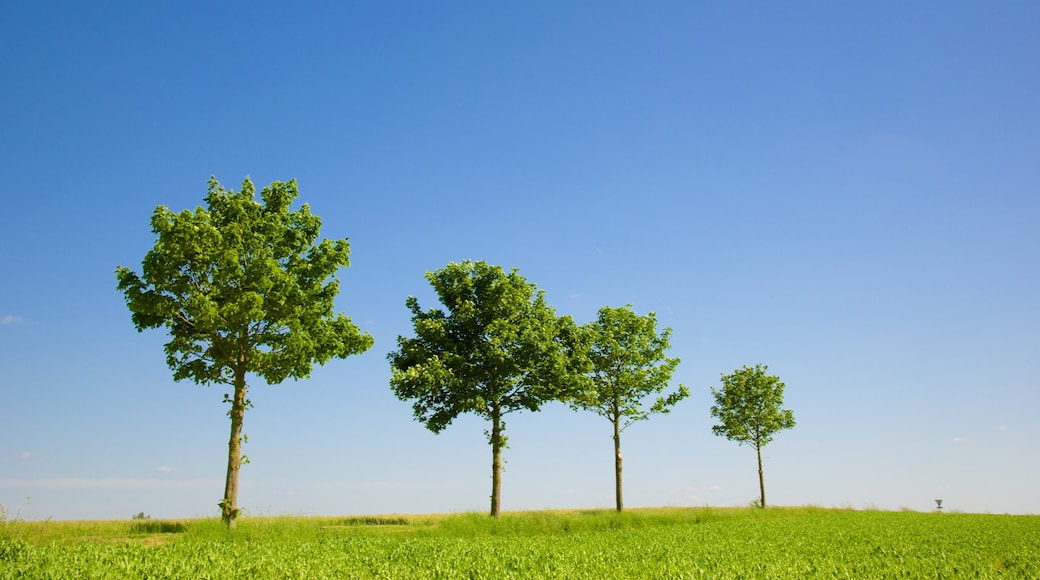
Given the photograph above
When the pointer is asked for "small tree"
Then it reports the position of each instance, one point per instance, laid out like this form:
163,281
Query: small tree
242,288
496,349
749,409
628,365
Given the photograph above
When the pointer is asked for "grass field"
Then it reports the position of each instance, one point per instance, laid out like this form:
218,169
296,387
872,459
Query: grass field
642,543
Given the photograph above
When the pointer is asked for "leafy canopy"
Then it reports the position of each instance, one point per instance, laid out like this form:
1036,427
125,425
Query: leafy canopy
749,406
495,348
628,365
243,286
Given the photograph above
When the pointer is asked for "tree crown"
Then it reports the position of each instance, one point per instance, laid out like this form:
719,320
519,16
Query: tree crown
749,406
244,285
628,364
496,347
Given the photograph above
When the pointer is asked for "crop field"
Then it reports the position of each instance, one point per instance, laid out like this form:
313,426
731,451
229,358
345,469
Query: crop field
647,543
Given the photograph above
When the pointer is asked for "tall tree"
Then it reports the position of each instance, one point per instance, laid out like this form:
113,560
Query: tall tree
628,366
242,287
749,410
495,349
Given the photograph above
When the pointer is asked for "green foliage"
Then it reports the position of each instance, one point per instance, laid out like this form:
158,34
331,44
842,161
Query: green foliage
667,543
150,526
243,285
228,510
374,521
496,348
628,365
749,406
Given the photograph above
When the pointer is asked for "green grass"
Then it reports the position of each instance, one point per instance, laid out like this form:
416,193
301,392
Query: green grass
644,543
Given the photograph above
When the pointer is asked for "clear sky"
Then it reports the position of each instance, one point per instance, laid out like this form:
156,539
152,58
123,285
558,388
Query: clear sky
848,192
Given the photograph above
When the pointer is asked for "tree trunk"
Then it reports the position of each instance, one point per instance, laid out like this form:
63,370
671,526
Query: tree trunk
496,460
229,506
761,479
617,463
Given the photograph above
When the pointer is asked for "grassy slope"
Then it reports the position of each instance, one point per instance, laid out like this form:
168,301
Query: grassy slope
665,543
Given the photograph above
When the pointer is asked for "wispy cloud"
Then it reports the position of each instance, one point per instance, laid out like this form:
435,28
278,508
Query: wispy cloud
108,483
11,319
26,455
575,295
959,439
164,469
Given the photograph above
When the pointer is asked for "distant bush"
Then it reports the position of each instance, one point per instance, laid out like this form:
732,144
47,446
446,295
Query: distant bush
148,526
373,521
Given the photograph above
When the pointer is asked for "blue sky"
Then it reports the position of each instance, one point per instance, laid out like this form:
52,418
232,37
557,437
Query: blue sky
846,192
